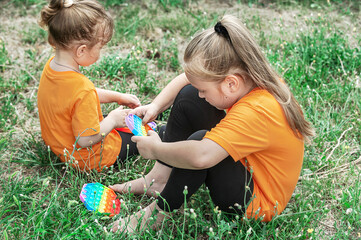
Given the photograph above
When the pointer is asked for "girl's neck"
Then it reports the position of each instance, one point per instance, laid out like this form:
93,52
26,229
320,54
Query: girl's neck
64,61
248,86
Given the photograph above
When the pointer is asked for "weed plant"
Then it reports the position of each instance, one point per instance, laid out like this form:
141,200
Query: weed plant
319,57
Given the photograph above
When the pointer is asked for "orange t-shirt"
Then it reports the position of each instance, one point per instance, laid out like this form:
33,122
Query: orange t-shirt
69,107
255,131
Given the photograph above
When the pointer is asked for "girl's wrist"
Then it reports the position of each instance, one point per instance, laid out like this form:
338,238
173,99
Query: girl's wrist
118,97
110,121
154,149
157,108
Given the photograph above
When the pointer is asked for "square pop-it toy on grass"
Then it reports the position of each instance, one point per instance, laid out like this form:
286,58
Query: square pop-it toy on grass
135,125
100,198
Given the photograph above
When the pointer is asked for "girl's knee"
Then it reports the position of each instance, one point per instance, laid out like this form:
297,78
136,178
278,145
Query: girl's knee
188,91
198,135
188,96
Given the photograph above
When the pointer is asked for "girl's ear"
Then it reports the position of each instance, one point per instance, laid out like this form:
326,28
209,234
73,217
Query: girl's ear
80,51
232,83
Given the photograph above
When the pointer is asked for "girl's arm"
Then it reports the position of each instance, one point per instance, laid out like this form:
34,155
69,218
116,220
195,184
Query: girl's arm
164,99
115,118
188,154
108,96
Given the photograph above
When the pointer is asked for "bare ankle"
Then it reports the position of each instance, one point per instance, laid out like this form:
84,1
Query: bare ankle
151,216
153,182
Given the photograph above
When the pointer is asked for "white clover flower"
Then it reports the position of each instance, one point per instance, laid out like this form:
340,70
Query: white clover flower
348,211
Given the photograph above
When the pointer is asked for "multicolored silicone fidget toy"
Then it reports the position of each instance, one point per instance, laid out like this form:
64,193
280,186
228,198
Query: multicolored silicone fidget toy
135,125
100,198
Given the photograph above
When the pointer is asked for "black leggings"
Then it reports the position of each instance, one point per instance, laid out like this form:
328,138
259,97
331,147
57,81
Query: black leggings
128,148
229,182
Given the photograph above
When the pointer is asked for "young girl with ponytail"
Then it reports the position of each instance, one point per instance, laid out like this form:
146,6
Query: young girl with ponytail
71,120
234,126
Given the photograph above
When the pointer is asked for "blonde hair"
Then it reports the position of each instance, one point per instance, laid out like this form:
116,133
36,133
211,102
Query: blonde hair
78,21
230,48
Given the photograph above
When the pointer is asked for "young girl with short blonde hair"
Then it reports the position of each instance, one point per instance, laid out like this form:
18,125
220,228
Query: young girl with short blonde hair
71,120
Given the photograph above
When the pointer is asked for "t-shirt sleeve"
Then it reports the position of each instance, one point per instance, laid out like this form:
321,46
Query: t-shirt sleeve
85,118
243,131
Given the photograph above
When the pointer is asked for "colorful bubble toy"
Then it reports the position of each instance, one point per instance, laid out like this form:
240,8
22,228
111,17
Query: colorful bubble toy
135,125
100,198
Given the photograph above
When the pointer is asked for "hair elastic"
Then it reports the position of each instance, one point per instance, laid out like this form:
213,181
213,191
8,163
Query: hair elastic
68,3
220,29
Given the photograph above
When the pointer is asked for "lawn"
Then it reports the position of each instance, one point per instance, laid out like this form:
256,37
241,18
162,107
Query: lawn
315,45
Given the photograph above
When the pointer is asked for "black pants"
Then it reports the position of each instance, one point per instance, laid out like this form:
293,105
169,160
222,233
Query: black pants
128,148
229,182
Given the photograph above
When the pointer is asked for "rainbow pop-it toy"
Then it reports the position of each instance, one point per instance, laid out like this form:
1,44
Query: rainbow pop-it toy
135,125
100,198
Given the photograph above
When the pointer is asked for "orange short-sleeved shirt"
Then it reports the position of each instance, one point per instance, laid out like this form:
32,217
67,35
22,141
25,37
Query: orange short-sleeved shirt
255,131
69,107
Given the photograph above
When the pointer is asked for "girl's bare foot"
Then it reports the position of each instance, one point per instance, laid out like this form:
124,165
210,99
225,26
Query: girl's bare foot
140,220
153,182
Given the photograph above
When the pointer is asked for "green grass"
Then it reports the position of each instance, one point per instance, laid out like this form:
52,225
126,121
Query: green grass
318,56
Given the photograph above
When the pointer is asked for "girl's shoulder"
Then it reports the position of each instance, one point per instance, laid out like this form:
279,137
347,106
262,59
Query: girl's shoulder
74,83
256,98
258,103
70,78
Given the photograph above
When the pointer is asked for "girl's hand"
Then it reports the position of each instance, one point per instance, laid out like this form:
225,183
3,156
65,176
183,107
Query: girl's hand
147,144
147,112
118,116
128,100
